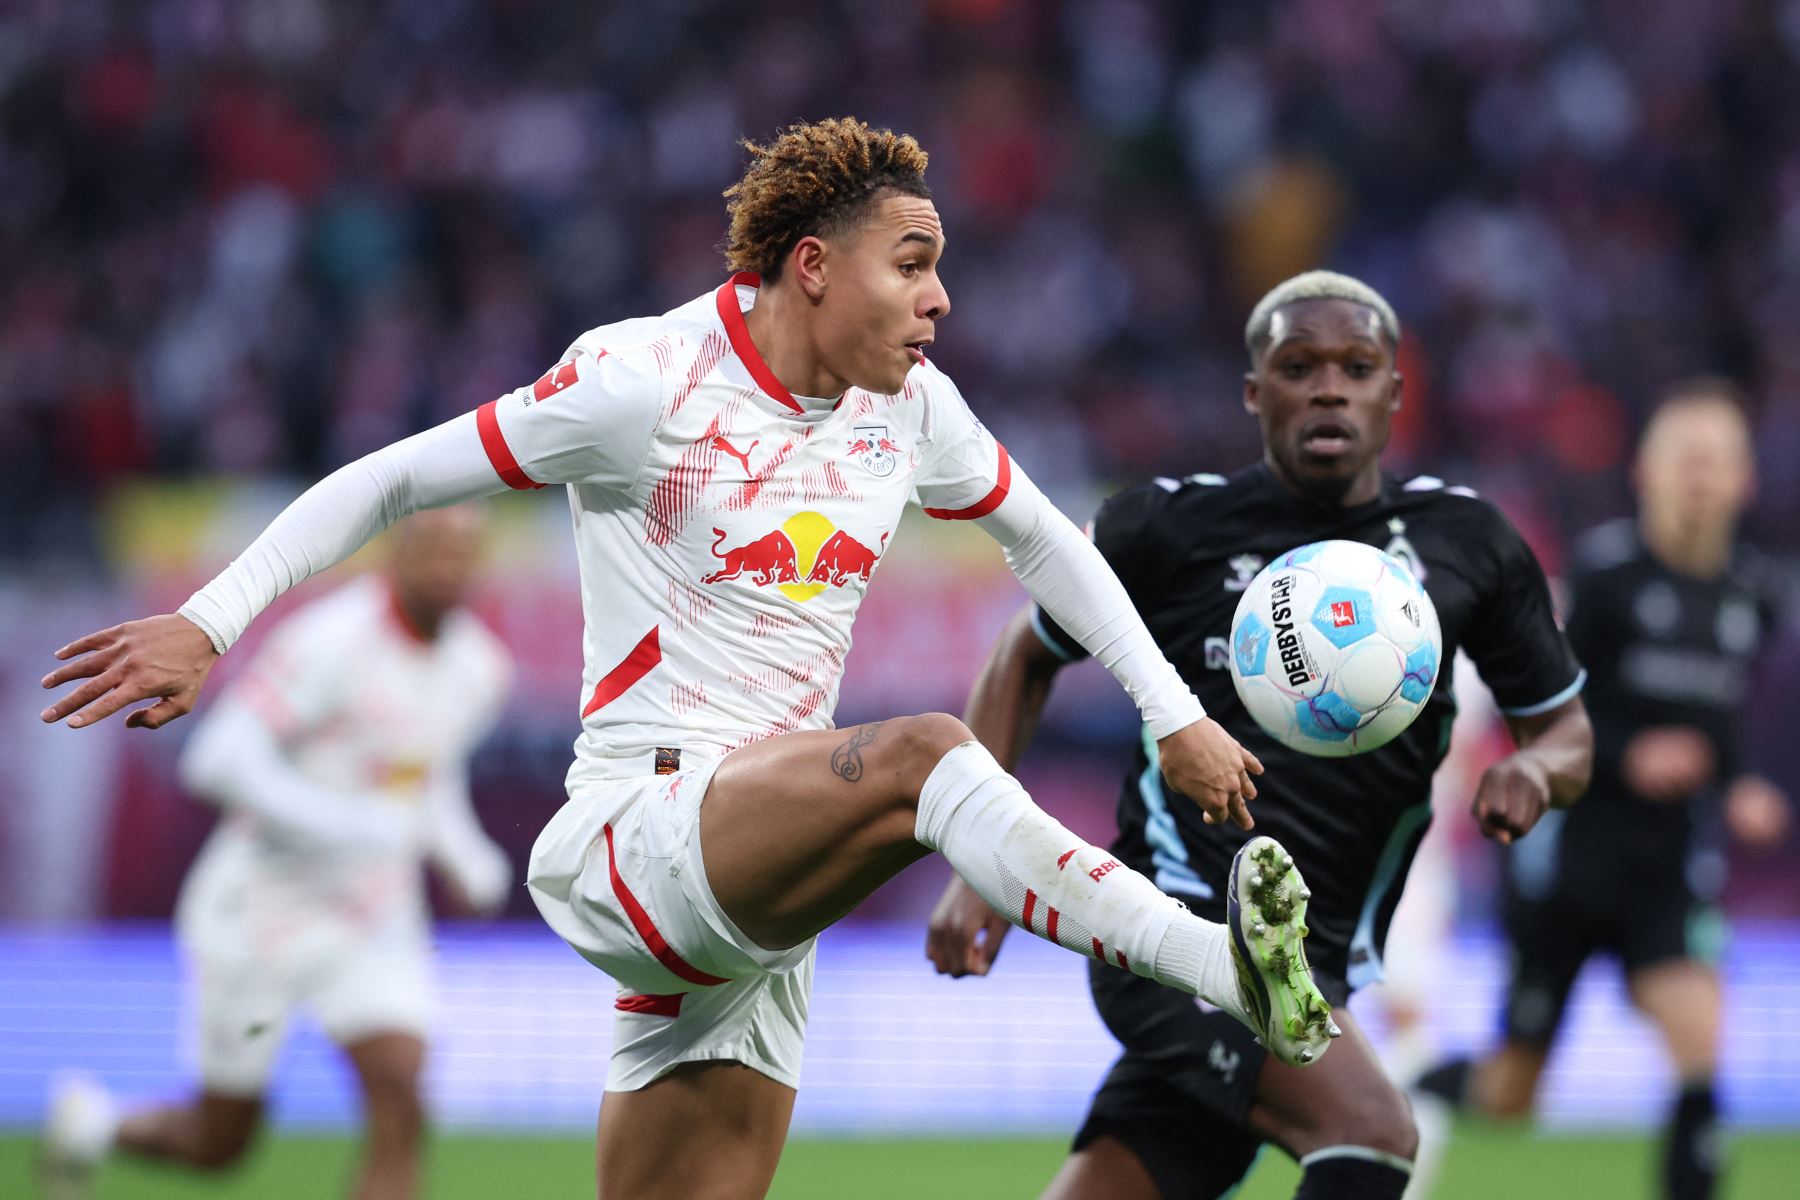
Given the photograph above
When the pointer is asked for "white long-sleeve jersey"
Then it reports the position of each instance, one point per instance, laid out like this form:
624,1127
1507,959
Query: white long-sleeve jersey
340,759
726,529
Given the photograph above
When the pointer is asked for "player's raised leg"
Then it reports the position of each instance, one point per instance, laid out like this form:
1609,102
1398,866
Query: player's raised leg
799,829
388,1067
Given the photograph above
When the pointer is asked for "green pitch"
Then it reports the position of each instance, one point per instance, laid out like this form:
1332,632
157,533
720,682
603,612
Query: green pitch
1483,1165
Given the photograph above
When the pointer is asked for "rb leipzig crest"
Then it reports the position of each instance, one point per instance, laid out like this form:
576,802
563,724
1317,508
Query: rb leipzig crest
877,453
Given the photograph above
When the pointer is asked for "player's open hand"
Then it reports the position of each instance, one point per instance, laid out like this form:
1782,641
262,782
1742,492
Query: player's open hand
1206,764
1513,794
1757,811
164,658
964,936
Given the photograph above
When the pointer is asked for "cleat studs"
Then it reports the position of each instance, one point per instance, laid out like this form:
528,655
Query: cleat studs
1333,1030
1306,1056
1306,893
1257,928
1256,879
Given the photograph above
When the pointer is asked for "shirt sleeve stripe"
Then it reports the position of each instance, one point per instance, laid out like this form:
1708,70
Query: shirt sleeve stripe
989,502
1544,706
1055,647
487,422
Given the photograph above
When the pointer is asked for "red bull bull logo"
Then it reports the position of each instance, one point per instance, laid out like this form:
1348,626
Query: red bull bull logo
801,559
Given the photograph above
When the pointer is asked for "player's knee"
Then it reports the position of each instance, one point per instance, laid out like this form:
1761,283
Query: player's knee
922,741
1383,1123
220,1150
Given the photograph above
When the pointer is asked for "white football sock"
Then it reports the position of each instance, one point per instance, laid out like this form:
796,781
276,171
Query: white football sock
1035,873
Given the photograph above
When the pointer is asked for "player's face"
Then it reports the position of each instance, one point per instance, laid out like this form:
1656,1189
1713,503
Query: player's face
1325,390
1695,465
434,559
883,297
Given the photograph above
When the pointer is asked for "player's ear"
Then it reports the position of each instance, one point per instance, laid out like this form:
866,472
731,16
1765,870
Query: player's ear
807,262
1397,393
1252,400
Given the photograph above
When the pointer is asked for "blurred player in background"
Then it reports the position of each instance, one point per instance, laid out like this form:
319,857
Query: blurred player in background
340,763
1191,1102
1670,614
736,468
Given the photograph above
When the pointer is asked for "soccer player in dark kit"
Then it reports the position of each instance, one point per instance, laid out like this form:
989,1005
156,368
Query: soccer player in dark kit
1671,616
1190,1102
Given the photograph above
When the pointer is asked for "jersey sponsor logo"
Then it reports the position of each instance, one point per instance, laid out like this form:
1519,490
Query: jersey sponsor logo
556,379
874,450
1245,567
802,558
1295,661
1103,869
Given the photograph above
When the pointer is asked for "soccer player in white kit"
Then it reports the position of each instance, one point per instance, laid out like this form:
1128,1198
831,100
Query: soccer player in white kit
340,761
735,469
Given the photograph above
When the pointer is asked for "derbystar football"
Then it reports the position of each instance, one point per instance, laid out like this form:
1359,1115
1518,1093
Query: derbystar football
1335,648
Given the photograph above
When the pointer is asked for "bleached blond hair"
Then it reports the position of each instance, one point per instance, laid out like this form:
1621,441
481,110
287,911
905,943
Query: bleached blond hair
1317,285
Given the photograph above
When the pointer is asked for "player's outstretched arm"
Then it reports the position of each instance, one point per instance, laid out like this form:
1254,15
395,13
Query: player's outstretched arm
1550,769
1004,706
1067,575
166,658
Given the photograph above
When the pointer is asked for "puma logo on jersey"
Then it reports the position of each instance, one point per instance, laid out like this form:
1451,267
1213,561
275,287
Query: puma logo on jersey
743,456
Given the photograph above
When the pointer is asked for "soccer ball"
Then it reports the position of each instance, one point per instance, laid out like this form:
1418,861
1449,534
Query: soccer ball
1335,648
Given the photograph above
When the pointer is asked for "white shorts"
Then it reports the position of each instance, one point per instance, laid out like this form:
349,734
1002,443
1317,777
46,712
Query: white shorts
245,1006
618,874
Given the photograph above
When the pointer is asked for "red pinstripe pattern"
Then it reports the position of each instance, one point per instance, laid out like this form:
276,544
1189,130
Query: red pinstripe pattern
487,424
1030,905
712,349
675,495
1050,925
989,502
643,658
646,928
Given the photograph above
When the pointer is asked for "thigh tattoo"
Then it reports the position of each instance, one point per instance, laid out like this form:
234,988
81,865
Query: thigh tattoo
847,759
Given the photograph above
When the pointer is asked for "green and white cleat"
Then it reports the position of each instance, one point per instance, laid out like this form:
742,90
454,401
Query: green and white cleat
1266,910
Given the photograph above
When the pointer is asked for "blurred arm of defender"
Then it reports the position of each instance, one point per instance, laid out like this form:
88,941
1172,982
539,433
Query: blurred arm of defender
472,866
235,761
1003,711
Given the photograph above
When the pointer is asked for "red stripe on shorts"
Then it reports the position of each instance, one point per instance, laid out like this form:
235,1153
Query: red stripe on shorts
653,938
1050,925
1123,961
1030,904
1099,950
656,1006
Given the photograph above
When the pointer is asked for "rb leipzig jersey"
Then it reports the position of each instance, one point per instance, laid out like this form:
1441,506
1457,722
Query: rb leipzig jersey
726,529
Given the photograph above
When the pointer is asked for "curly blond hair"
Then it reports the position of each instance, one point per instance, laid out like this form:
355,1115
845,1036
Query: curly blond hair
815,180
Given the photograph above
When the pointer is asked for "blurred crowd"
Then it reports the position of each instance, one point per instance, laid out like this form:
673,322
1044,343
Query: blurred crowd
265,236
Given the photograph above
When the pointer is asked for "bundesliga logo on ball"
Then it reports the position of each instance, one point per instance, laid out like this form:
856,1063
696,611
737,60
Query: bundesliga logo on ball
1335,648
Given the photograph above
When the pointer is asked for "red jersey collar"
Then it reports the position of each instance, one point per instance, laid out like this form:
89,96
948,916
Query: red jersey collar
744,348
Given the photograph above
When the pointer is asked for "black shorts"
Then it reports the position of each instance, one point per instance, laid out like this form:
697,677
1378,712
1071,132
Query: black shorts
1179,1095
1597,903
